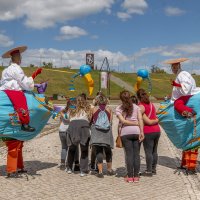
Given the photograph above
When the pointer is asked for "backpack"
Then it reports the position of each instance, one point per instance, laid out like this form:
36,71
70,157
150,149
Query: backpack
102,122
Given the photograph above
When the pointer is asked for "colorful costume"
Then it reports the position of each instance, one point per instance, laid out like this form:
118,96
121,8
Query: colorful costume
13,82
182,132
184,87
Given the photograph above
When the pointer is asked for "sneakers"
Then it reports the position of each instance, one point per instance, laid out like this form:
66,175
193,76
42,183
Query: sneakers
69,171
62,166
154,171
146,173
129,179
94,170
110,173
100,175
27,128
82,174
136,179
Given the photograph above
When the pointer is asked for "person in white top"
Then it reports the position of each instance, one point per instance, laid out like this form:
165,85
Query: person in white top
184,86
14,81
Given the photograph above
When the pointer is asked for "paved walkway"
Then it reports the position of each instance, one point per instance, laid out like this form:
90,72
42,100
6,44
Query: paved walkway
46,181
121,83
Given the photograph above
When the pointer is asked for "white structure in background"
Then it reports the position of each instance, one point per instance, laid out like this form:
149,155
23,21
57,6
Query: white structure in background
104,80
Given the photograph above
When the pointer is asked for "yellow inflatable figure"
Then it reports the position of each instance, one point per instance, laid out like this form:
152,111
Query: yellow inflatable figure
138,83
89,82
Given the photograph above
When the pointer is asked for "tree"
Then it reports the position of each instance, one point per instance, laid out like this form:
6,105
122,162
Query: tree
31,65
48,65
156,69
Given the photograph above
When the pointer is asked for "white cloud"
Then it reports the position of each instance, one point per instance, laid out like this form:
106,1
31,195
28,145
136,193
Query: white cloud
135,6
144,58
131,7
170,51
72,58
147,50
189,49
5,41
40,14
123,16
70,32
173,11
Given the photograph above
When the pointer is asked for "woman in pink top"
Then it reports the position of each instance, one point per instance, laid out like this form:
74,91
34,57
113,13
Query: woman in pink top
151,132
131,134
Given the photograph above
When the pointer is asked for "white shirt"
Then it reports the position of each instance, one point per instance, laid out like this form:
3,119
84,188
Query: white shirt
80,116
188,86
64,123
13,78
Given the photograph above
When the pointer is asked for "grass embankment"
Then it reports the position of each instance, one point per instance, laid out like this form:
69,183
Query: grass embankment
59,82
161,85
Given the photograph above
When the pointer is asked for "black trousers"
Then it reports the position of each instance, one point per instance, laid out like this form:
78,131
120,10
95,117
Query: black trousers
83,159
99,153
150,144
132,148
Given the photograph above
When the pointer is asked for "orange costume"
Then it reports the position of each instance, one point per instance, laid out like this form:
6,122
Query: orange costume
14,156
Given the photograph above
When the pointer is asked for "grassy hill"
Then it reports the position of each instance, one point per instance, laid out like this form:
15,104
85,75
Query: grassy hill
58,82
161,85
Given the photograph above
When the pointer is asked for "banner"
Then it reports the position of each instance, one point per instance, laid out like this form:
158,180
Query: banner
104,80
90,59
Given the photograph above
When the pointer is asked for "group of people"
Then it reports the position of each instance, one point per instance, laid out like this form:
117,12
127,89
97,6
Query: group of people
87,126
83,125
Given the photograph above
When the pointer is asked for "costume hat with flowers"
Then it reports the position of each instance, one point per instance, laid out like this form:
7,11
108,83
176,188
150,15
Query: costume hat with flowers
11,52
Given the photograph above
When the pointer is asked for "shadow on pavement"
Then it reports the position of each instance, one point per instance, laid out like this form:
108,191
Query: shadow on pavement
168,162
121,171
32,167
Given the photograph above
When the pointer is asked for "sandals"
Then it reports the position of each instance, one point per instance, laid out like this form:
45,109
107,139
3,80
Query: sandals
188,114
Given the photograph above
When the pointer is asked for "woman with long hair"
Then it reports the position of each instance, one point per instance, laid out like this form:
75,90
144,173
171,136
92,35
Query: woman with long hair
64,124
151,132
78,133
131,134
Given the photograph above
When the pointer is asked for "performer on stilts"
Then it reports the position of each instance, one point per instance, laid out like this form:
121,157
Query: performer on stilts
184,87
13,82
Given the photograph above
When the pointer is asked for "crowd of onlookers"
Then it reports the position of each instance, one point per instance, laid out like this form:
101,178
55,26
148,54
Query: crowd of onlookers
85,126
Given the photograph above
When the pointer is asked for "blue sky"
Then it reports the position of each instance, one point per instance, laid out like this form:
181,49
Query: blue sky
132,34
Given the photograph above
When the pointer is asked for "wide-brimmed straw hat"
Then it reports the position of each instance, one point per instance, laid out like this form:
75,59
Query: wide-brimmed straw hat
177,60
9,53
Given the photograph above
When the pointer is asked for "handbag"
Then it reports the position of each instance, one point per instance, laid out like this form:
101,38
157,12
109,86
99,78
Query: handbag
118,139
119,142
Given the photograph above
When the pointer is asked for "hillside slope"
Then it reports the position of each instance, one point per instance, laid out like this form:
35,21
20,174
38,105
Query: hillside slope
59,81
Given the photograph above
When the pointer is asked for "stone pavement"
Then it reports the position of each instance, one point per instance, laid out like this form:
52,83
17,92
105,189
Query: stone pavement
46,181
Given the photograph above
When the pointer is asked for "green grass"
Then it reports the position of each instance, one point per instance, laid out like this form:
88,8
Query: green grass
59,82
161,84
